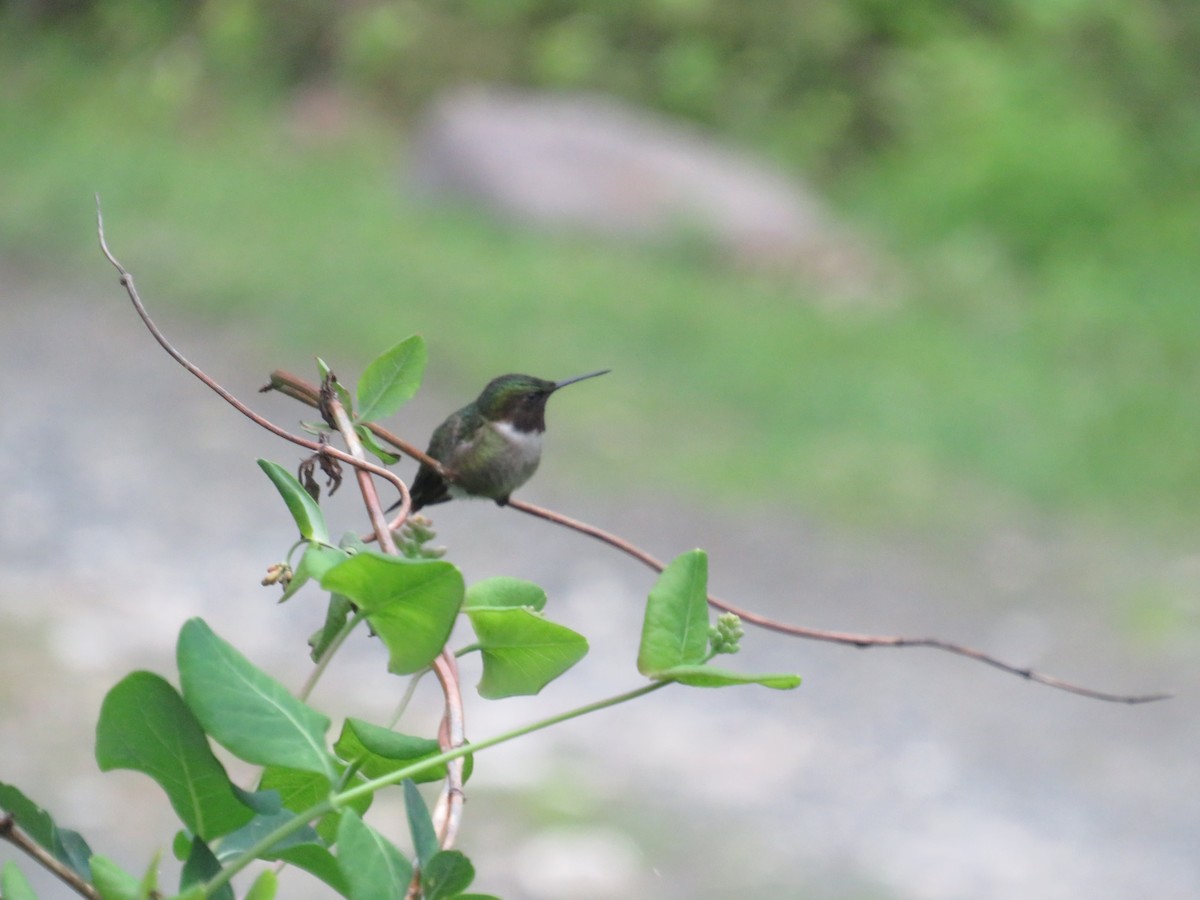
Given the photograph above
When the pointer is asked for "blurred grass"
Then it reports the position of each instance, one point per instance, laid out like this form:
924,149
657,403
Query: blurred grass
1068,384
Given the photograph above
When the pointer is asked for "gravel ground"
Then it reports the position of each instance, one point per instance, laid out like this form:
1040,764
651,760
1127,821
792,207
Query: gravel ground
132,503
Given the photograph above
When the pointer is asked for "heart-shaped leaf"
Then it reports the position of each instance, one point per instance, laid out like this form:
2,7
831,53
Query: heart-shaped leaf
522,652
410,604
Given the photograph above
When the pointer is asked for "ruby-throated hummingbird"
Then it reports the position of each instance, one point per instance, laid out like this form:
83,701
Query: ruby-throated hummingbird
491,446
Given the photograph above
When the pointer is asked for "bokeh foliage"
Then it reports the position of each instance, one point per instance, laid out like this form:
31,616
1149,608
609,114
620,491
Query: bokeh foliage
826,83
1034,167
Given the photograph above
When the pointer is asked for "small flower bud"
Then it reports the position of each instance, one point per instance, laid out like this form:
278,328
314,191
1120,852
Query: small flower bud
725,636
280,573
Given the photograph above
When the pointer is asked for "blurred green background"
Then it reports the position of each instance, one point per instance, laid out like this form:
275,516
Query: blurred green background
1031,166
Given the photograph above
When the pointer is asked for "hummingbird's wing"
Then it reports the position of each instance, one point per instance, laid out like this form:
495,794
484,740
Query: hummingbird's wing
428,488
457,431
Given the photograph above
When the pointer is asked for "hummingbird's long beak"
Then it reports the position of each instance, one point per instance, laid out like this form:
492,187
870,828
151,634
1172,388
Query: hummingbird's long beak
561,384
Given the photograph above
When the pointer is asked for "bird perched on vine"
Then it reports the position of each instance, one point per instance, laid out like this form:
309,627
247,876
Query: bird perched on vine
492,445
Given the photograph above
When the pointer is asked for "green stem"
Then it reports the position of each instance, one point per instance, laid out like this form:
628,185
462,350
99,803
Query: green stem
252,853
370,787
338,800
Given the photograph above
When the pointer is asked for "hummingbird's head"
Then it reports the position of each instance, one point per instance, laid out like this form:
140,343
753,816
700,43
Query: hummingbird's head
521,399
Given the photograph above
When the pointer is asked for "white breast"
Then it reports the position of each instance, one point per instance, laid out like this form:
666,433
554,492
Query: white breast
528,441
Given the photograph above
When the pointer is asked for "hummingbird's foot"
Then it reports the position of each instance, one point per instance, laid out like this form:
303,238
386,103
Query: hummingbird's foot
503,501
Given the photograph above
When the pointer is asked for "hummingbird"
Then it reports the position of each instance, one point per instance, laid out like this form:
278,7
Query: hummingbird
492,445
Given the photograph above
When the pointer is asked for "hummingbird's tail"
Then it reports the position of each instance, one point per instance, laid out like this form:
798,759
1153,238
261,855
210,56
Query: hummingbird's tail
427,489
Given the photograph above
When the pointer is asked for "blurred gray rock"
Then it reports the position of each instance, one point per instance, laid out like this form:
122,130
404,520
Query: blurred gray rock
593,165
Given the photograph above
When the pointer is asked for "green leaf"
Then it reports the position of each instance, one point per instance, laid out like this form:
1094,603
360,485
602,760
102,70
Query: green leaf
522,652
296,789
114,883
374,869
411,604
316,860
75,849
316,428
391,380
711,676
306,789
352,543
502,591
201,865
299,791
343,395
420,824
111,881
304,509
261,826
67,846
32,819
263,801
245,709
381,751
145,726
148,886
336,616
675,630
265,886
446,875
316,561
13,885
387,457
